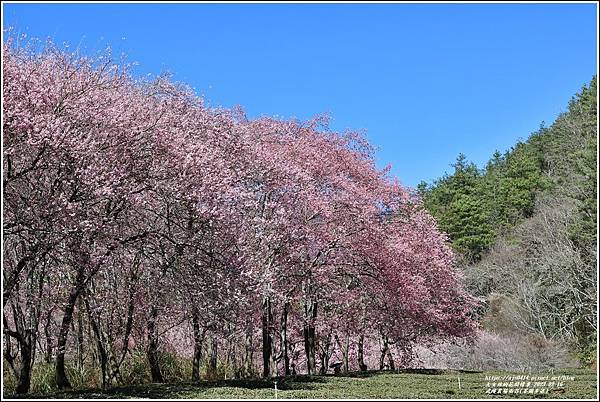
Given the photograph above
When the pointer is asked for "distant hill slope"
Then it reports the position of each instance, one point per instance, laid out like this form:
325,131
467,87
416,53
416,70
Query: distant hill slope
525,227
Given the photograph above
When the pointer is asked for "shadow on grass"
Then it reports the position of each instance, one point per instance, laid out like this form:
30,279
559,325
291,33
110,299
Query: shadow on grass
169,390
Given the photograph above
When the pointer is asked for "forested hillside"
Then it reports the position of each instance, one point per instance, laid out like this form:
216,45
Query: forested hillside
525,228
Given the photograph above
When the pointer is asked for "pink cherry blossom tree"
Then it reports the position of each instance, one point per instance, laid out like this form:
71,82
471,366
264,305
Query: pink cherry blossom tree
133,209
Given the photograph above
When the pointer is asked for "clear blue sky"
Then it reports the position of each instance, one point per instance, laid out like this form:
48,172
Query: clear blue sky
426,81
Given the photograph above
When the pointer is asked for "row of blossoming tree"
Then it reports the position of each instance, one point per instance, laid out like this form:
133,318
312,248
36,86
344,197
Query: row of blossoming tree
137,218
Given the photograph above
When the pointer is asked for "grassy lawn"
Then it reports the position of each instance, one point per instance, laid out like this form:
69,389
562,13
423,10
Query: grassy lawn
373,384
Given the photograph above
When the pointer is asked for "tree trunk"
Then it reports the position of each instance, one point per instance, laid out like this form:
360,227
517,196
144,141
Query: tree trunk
25,348
103,362
153,358
248,369
384,351
25,333
62,381
274,357
361,355
102,341
325,354
267,339
232,360
214,354
48,334
102,353
324,357
284,340
198,339
391,360
80,339
345,349
310,315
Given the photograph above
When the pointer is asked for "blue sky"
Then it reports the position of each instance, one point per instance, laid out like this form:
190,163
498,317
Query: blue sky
426,81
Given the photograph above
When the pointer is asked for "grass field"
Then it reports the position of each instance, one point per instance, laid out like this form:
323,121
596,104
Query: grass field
372,384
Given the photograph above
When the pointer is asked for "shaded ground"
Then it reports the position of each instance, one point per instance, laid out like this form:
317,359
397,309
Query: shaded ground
372,384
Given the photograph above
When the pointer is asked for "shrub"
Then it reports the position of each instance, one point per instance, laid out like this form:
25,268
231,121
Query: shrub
175,368
223,371
9,381
588,355
43,377
135,369
88,376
